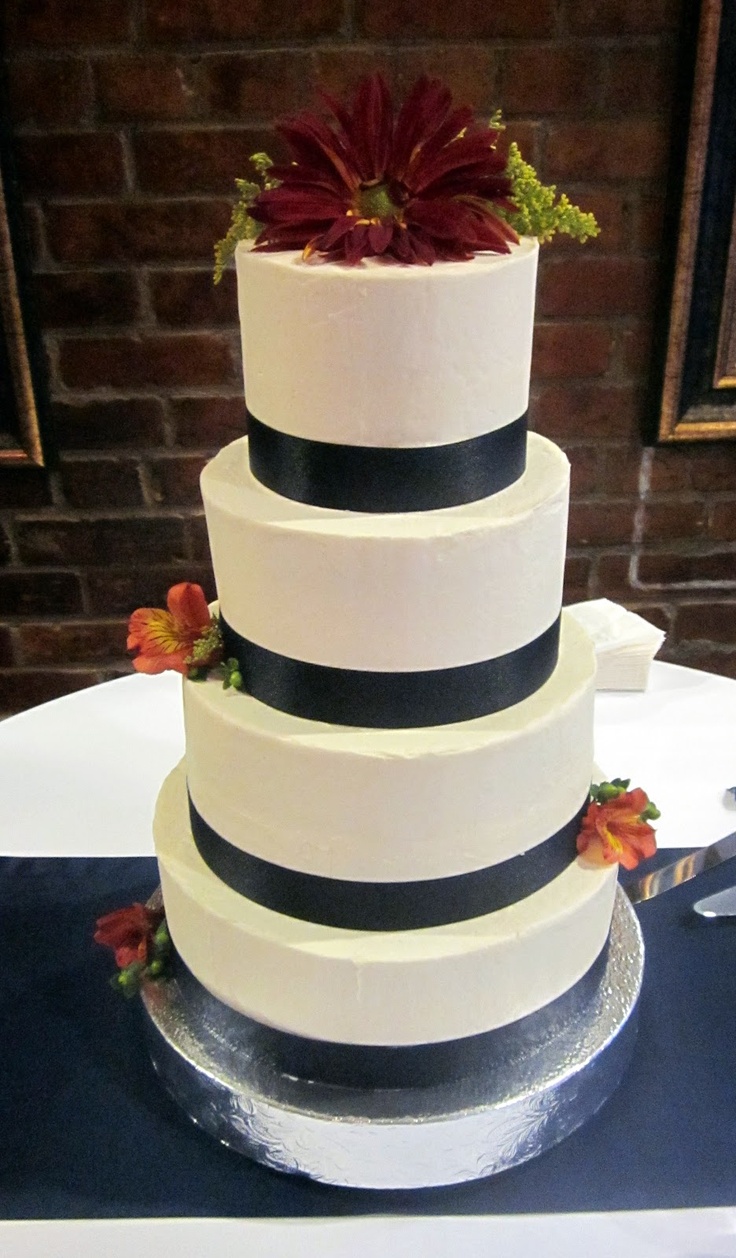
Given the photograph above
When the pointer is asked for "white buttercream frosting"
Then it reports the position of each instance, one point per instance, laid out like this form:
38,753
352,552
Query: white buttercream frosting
387,355
404,987
392,805
400,592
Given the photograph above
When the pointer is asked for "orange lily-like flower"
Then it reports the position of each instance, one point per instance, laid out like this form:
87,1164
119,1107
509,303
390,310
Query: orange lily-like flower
616,827
185,637
129,932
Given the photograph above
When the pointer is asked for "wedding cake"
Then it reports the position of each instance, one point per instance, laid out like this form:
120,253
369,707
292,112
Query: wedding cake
371,849
388,949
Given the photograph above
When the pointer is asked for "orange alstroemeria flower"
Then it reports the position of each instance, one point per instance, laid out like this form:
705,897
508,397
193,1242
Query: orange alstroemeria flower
129,932
614,831
166,639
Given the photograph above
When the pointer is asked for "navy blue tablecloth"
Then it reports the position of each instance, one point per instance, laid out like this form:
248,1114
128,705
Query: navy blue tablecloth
86,1131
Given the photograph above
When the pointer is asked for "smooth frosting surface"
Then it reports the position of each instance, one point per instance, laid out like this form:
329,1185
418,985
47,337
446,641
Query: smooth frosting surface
394,805
408,987
401,592
387,355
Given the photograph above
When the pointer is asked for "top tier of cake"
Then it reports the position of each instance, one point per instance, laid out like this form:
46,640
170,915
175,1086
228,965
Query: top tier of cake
387,355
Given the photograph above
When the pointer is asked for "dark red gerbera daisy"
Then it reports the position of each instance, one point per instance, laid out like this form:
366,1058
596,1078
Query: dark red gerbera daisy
420,187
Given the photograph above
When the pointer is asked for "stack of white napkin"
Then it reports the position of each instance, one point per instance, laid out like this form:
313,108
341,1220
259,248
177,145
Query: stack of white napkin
625,644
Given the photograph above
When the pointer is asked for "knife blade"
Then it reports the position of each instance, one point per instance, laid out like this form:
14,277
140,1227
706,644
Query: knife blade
722,904
661,880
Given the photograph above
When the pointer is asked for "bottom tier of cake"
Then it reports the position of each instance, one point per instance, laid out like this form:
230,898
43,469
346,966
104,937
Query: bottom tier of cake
398,988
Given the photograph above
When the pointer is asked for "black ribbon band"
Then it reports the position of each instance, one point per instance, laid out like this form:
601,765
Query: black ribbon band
387,479
420,1065
386,905
374,700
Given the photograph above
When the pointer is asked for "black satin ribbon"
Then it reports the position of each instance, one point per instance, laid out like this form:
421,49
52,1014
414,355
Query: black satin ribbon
370,906
387,479
375,700
420,1065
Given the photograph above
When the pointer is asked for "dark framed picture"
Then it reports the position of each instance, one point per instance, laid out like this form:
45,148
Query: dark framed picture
698,394
22,383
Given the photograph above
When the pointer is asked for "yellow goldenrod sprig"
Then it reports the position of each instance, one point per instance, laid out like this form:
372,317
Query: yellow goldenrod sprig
242,225
540,212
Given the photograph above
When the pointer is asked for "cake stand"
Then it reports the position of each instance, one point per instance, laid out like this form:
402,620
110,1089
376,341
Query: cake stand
401,1137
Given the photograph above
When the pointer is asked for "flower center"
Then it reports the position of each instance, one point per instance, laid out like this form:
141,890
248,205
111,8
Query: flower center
374,201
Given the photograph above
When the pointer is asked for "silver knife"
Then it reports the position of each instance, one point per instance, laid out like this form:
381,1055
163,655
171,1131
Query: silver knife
682,870
722,904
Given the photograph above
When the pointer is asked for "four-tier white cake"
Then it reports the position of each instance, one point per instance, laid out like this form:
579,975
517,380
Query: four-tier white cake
370,851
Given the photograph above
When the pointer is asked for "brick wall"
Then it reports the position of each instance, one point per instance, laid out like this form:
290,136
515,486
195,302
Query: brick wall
131,119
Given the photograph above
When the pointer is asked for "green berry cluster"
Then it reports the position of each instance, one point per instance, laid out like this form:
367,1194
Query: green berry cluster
129,980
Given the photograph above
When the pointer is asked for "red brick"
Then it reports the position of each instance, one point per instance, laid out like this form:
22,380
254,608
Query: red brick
81,164
548,80
649,221
620,469
118,592
24,487
577,577
174,21
631,149
178,361
105,483
25,689
670,470
190,298
431,19
7,647
713,468
40,594
601,523
86,298
46,90
469,70
639,79
175,480
265,84
636,345
723,522
125,540
712,622
682,569
199,539
722,663
623,17
81,642
136,422
584,464
665,520
609,412
183,162
159,231
208,422
147,88
57,22
611,579
571,349
590,285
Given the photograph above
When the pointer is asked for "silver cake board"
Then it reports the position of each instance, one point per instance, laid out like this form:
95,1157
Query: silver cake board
403,1137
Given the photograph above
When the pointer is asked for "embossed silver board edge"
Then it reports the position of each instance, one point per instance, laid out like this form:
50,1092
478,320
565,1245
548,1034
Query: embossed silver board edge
398,1138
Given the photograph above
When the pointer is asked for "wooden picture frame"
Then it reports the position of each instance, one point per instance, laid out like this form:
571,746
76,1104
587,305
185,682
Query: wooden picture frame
698,395
23,428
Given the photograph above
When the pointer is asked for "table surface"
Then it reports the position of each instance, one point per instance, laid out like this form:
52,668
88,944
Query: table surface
79,776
